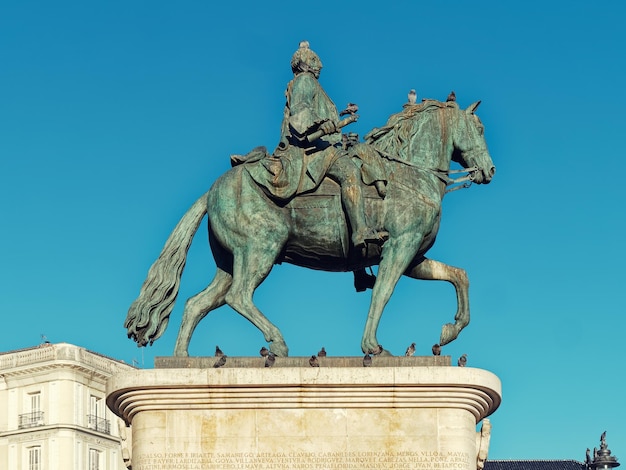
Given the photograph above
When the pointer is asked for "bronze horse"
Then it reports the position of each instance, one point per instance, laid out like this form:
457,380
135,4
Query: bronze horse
249,233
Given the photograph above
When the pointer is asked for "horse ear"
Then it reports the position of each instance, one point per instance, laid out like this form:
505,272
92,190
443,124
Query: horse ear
471,109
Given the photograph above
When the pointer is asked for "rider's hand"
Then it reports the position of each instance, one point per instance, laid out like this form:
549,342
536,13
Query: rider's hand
329,127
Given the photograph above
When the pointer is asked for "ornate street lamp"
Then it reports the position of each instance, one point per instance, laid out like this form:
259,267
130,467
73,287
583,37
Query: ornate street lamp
602,459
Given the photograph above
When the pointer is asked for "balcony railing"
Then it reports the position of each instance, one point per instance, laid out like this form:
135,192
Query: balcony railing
99,424
30,420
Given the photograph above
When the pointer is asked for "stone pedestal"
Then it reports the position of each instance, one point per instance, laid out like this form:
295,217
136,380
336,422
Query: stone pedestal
338,416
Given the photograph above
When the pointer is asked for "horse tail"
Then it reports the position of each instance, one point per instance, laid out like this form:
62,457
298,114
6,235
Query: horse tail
148,315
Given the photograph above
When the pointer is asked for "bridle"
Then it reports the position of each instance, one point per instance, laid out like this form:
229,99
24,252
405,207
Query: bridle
467,180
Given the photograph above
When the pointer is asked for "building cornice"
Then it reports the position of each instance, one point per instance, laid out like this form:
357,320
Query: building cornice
52,357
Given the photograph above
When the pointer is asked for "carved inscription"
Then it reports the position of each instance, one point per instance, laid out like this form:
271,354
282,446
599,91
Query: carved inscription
361,460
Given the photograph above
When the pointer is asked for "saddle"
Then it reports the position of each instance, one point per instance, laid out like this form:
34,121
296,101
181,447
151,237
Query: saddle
365,156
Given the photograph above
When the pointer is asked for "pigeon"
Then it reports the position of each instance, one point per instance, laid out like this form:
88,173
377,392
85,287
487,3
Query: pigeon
270,359
322,352
377,351
264,351
367,361
218,352
313,362
436,350
351,109
220,362
451,96
412,97
462,360
410,350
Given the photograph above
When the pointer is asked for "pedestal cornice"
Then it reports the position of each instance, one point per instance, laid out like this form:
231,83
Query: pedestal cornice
475,390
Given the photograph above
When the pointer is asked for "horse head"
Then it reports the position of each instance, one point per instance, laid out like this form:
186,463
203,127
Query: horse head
470,148
431,134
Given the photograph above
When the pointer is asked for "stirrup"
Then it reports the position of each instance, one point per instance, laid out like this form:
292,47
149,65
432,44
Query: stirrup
363,281
377,237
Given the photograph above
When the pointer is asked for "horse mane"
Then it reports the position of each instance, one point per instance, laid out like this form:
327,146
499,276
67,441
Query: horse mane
394,137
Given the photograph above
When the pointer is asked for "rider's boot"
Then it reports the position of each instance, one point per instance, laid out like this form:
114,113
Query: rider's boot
362,234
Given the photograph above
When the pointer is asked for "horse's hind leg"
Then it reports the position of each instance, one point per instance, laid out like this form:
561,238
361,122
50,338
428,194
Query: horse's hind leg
198,306
432,270
251,265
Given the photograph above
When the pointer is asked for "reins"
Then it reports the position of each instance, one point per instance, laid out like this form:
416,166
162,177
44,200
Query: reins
443,175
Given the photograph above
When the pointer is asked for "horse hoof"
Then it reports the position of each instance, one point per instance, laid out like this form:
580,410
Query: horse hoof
279,349
449,333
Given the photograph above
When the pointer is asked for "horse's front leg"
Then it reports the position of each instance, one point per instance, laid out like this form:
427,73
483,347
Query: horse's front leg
432,270
396,255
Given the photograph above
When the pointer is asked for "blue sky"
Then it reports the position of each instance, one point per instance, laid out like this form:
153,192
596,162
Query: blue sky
115,116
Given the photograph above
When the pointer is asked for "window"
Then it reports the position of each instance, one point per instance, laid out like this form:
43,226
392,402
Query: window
34,458
34,415
95,406
96,417
35,402
94,459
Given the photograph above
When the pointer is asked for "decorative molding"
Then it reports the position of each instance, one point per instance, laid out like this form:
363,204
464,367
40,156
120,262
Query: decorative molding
45,432
474,390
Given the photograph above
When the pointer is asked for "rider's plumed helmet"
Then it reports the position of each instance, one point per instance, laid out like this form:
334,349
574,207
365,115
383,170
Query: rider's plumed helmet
305,60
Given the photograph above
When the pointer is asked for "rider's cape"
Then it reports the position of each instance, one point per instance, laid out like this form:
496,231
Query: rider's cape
298,166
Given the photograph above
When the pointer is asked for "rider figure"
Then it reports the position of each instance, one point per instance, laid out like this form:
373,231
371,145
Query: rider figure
309,109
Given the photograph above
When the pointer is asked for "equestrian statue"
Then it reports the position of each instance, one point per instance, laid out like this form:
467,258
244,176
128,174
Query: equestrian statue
325,201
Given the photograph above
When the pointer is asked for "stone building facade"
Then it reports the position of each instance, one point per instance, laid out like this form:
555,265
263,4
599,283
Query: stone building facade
53,414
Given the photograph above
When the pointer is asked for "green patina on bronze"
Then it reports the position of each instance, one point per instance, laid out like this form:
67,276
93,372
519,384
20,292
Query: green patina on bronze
279,208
